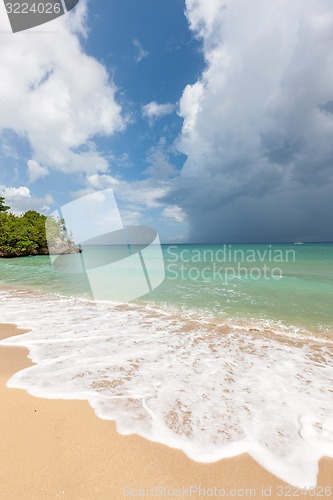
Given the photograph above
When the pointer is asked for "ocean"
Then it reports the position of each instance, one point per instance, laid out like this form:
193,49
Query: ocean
232,353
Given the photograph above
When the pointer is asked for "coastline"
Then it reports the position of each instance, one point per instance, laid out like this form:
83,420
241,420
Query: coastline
60,449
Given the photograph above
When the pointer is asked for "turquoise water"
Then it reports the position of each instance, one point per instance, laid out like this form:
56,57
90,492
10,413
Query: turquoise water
231,354
289,283
297,286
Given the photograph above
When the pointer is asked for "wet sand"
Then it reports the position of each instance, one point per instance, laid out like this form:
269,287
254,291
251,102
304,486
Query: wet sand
54,449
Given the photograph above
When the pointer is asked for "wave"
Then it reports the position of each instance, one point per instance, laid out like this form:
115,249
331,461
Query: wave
212,387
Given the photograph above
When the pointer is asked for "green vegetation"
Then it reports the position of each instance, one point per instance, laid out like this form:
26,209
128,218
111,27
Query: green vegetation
26,234
3,208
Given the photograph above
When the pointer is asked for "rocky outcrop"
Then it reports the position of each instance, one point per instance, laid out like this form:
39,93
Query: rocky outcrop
63,247
60,247
8,254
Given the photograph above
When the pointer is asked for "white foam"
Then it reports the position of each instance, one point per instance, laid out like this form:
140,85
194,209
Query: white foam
212,389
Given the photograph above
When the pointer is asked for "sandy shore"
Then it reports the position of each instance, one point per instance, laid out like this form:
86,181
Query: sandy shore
60,449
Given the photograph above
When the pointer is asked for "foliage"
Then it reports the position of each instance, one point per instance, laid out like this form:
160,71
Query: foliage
26,234
3,208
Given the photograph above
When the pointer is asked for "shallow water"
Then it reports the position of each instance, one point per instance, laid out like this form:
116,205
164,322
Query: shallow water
216,369
217,279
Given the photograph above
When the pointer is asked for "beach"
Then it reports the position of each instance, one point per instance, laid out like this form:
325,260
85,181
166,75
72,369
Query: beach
223,385
59,449
166,249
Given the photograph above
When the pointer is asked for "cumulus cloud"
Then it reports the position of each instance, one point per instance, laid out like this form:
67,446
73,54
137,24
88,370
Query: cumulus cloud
141,201
21,200
101,181
153,110
55,95
7,150
142,195
36,171
175,213
13,192
131,217
160,166
258,124
140,52
135,198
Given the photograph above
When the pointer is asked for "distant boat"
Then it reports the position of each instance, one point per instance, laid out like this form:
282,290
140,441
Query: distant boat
298,243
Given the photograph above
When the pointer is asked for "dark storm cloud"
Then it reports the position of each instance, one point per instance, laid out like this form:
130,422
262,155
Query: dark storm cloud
258,125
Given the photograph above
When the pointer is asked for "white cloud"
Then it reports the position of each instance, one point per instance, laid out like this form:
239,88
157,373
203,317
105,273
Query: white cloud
143,194
132,195
20,199
159,164
174,213
140,52
153,110
257,131
7,150
131,218
101,181
12,192
56,95
142,202
36,171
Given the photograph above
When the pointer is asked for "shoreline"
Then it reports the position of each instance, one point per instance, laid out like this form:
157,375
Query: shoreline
60,449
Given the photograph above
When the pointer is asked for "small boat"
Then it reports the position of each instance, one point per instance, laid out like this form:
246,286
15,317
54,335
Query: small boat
298,243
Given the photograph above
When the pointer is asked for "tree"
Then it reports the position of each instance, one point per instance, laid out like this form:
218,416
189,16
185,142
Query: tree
32,234
3,208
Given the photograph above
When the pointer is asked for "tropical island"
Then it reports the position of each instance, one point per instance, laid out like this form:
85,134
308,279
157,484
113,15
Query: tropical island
25,235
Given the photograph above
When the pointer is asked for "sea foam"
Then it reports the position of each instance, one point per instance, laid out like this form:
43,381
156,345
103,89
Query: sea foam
213,388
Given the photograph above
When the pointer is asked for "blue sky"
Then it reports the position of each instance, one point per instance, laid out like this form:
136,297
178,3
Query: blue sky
150,55
211,122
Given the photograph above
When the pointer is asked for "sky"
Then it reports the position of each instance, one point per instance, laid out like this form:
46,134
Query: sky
212,120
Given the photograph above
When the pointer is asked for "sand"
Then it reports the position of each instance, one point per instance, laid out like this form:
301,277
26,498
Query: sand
54,449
